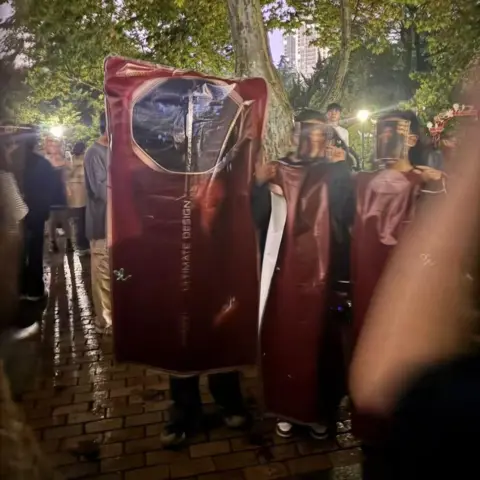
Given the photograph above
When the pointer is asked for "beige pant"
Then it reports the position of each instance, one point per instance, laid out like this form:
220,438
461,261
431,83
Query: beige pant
101,282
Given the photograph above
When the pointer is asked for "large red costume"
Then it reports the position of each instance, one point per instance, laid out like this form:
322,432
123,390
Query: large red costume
183,245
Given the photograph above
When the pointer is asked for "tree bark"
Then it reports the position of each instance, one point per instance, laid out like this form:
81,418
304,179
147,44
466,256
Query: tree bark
253,59
334,90
408,50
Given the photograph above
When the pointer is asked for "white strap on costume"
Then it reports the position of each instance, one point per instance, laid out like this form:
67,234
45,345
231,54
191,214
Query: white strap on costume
276,227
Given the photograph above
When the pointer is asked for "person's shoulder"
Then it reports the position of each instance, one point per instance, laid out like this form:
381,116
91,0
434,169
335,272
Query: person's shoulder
89,150
42,161
95,150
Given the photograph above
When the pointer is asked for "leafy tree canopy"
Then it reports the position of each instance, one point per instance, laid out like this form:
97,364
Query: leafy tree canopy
452,43
408,50
66,43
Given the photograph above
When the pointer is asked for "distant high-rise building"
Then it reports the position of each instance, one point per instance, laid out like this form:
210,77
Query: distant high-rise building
299,52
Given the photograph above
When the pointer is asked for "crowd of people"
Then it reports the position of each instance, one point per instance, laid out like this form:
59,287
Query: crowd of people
52,190
367,215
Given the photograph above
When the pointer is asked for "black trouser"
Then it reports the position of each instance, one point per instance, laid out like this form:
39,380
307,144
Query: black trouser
375,465
31,276
187,408
78,215
335,354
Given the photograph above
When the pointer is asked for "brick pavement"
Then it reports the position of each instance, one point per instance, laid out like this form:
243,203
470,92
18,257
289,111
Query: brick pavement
99,419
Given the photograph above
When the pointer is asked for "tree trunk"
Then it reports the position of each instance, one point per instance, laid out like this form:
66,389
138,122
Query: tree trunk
407,39
408,63
253,59
334,90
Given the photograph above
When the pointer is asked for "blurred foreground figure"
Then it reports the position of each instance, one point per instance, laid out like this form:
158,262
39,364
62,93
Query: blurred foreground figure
411,368
38,183
304,304
12,212
20,454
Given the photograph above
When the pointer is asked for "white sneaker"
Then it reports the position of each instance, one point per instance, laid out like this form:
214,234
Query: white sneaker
107,330
284,429
318,432
235,421
26,332
172,437
31,298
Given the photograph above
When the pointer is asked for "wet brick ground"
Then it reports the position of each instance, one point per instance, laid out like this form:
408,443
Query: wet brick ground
99,419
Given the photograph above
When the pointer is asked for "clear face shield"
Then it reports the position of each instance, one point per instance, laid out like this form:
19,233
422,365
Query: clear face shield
392,136
311,139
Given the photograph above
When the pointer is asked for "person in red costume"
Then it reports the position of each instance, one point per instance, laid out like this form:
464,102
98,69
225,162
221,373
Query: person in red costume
386,203
311,205
417,361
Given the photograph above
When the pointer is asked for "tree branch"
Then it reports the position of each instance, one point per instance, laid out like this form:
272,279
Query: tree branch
335,88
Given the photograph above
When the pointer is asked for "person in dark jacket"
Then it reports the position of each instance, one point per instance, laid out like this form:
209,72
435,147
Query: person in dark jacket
38,180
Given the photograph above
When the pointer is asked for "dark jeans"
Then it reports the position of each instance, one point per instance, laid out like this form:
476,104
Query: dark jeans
187,408
375,465
31,276
78,216
335,357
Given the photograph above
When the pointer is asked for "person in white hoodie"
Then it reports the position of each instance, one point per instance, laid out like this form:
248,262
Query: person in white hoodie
334,114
